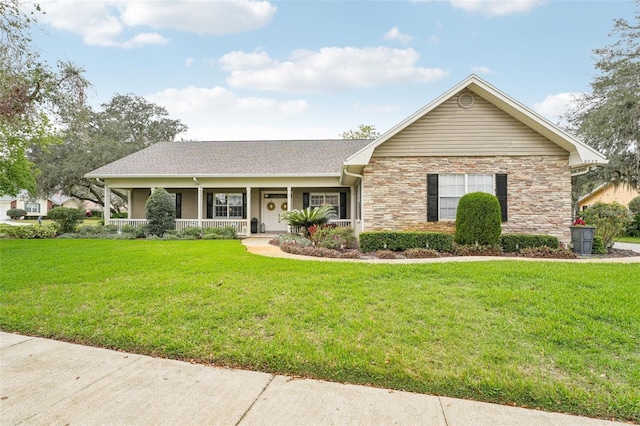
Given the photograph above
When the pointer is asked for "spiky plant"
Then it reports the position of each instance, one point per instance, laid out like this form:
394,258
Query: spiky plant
308,217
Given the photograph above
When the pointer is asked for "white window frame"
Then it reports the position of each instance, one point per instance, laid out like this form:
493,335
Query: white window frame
324,195
227,205
464,188
29,207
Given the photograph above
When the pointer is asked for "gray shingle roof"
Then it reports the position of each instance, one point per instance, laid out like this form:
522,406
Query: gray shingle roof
235,158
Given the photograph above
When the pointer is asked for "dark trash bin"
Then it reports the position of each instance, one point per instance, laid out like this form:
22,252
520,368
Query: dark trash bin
254,226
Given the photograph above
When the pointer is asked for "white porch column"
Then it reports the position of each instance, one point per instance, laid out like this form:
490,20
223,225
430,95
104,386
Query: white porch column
200,205
106,215
352,210
129,203
288,206
248,212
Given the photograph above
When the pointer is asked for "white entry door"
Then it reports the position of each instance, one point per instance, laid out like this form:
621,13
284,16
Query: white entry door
273,205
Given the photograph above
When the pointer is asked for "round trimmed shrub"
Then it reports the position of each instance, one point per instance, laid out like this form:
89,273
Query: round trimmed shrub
160,212
66,219
478,219
16,213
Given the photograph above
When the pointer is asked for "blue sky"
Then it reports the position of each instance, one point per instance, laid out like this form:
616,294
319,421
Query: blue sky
241,69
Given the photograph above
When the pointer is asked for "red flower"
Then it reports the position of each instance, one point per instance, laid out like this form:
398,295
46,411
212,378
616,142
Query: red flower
579,222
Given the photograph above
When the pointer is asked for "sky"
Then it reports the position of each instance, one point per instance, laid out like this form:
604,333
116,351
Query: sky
240,69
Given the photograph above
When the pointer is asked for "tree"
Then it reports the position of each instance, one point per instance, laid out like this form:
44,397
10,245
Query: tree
609,118
31,94
126,124
160,212
364,131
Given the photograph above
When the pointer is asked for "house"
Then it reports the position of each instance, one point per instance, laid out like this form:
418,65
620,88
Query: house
622,193
472,138
36,207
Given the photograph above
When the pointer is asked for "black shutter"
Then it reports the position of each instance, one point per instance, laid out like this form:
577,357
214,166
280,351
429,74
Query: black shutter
501,194
178,205
209,206
432,197
244,205
305,200
343,205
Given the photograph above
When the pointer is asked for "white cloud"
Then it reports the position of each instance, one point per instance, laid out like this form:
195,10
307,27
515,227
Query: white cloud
204,17
481,69
330,68
395,34
497,7
218,113
434,39
189,62
553,107
103,22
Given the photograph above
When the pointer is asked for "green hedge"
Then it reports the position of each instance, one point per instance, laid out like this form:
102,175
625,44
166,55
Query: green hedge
515,242
403,240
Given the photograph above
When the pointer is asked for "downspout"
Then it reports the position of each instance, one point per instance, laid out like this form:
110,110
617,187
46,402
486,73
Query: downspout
199,202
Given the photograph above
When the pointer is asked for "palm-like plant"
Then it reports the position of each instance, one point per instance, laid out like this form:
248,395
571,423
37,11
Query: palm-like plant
308,217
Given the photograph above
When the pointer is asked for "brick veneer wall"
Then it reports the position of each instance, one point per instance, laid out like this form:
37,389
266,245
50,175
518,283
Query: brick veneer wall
538,192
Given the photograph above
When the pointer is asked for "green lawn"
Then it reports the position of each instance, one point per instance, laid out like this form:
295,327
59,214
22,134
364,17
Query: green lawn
560,336
635,240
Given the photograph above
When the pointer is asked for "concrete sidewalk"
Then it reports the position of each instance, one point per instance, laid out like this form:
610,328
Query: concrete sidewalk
48,382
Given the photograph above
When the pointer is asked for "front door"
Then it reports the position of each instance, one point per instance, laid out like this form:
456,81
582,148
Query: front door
273,205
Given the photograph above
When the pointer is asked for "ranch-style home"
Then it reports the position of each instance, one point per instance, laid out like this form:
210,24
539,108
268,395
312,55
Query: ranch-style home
472,138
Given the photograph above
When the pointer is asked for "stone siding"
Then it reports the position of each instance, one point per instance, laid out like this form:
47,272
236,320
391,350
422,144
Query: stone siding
538,192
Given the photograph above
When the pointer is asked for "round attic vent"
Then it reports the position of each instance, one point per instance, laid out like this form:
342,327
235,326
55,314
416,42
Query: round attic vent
465,100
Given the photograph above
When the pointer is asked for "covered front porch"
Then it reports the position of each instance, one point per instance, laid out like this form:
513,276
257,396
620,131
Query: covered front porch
250,210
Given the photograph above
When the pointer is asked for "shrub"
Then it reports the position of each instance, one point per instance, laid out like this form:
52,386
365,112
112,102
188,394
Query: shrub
548,253
128,229
335,238
598,246
472,250
142,231
190,232
160,212
404,240
516,242
16,213
87,230
66,219
634,206
610,220
295,238
633,229
34,232
224,233
308,217
96,212
420,253
478,219
386,254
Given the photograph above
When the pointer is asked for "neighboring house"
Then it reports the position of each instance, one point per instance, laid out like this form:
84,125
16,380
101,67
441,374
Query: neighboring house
608,193
38,206
472,138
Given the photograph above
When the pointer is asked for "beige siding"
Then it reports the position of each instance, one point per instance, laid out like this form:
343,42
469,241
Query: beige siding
482,130
139,198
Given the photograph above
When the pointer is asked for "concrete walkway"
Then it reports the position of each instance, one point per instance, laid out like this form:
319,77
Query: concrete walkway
261,246
46,382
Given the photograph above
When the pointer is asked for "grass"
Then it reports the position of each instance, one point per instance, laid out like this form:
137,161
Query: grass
560,336
635,240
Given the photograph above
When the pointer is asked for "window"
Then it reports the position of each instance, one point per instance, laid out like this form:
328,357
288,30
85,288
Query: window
32,207
228,205
178,197
451,187
325,199
444,191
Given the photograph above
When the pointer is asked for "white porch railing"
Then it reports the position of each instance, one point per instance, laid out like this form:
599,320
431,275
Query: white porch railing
340,222
241,226
132,222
